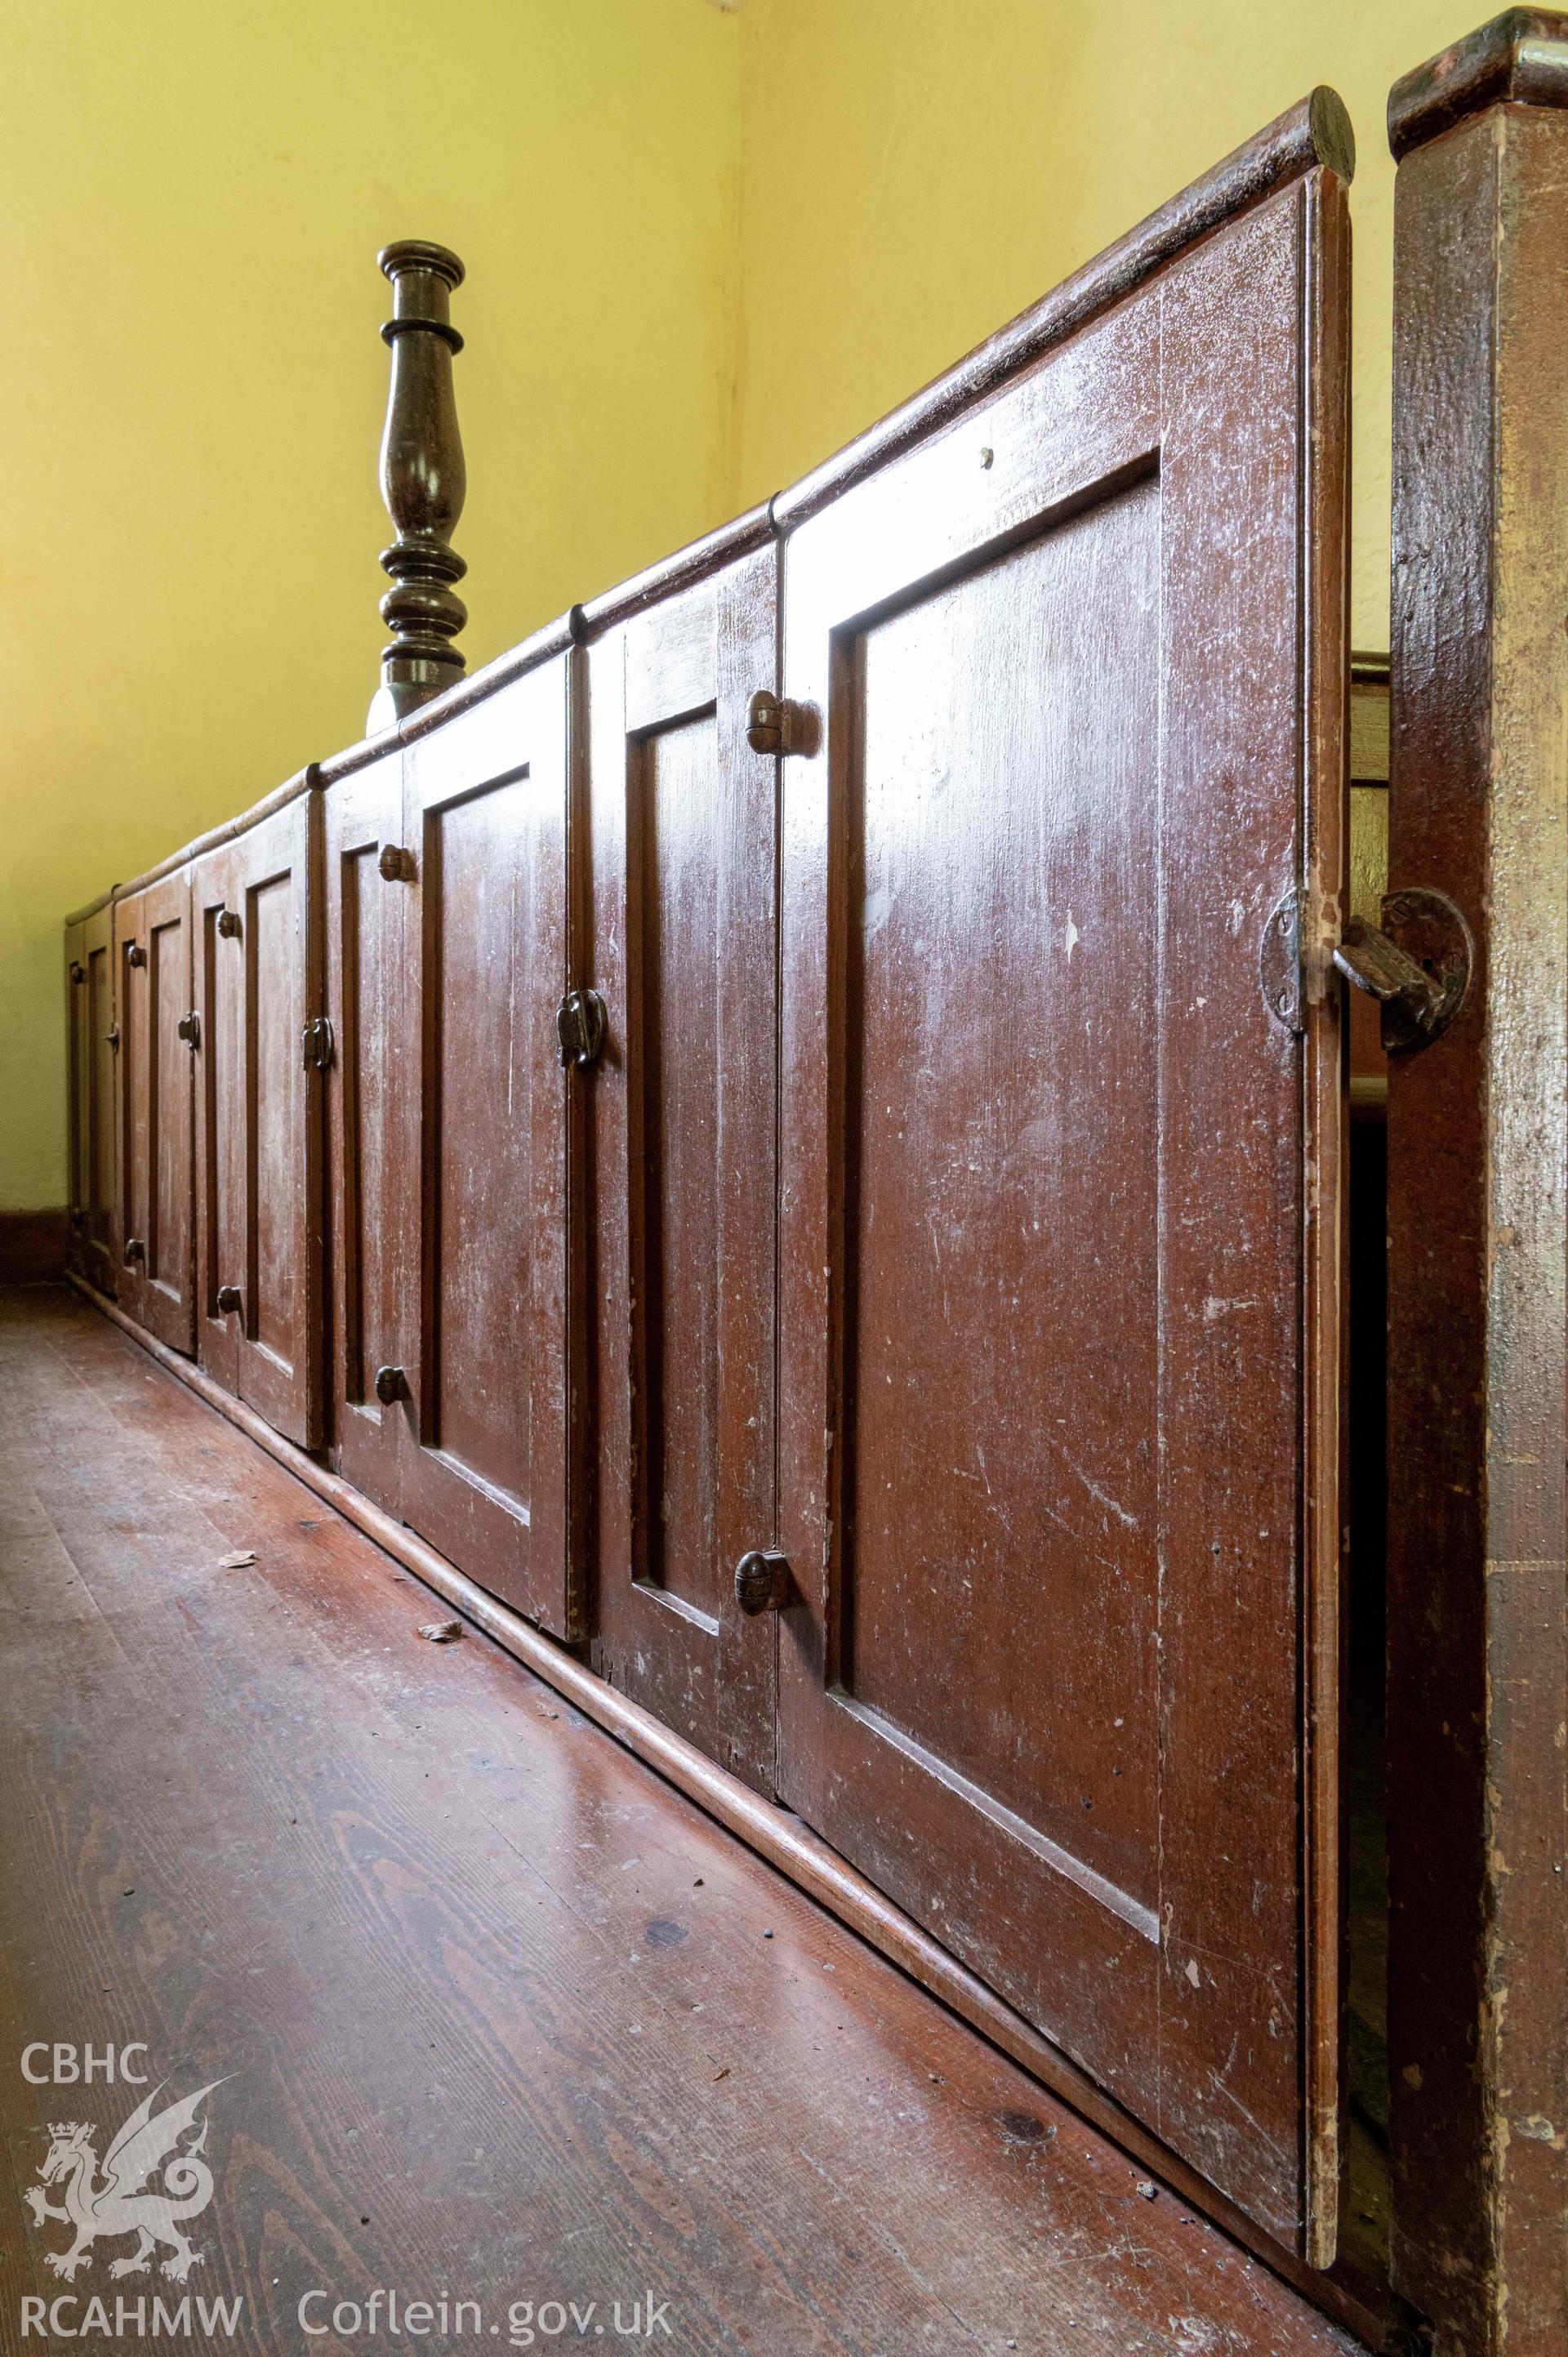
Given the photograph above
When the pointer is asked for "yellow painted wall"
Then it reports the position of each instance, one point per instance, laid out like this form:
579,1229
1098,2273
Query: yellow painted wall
913,172
192,385
706,245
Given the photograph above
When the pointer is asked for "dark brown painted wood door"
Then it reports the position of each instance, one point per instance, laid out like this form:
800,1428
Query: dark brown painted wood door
363,940
258,1120
78,1103
683,819
155,1100
1059,1196
90,969
219,969
481,1145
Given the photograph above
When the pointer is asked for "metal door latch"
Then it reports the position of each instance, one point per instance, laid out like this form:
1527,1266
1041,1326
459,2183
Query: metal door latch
135,1250
392,1385
134,954
315,1044
228,1299
113,1035
580,1025
774,725
762,1582
1417,965
188,1028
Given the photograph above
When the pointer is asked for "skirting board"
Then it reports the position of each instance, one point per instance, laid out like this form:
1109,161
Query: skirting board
33,1246
779,1838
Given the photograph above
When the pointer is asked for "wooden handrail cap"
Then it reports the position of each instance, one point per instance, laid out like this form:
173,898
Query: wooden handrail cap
1332,135
1519,59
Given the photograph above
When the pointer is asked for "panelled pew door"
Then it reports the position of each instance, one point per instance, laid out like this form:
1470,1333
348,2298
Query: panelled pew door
258,1120
478,1146
89,966
680,1240
363,908
154,1106
1059,1253
99,1134
78,1051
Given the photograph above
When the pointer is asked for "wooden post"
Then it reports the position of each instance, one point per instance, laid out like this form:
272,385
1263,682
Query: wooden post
422,483
1478,1155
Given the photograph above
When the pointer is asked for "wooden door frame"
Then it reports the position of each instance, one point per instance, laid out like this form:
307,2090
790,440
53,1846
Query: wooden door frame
1477,1143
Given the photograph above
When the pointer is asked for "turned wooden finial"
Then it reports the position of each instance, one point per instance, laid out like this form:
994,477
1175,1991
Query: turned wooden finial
422,483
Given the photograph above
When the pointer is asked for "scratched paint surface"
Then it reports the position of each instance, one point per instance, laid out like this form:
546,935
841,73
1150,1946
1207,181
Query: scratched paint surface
681,957
1004,1230
1049,1233
477,1114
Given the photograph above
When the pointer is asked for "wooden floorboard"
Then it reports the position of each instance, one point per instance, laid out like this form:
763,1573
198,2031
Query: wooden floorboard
496,2015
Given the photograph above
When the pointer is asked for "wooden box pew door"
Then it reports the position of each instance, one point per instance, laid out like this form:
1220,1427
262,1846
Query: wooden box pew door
154,1102
258,1119
89,985
681,1271
1059,1258
478,1153
364,901
77,1102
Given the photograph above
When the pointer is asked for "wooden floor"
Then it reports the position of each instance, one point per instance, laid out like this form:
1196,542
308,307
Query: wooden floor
496,2015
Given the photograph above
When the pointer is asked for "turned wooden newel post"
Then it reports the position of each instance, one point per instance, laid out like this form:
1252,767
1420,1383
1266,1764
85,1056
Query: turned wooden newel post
423,482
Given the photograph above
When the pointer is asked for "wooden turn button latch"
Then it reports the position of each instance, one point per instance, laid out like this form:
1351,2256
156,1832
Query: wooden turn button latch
581,1025
762,1582
774,725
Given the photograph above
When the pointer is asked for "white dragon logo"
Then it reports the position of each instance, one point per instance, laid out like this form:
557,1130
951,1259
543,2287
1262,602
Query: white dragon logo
120,2202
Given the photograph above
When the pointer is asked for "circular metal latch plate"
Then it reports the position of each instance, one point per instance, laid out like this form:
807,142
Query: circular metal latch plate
1430,929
